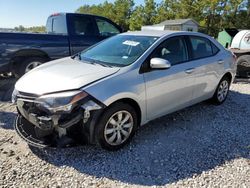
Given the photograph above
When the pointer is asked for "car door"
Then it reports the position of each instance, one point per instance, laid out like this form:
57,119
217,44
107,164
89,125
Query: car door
83,32
207,67
168,90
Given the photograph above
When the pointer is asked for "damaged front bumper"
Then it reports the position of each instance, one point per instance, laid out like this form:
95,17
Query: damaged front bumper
40,127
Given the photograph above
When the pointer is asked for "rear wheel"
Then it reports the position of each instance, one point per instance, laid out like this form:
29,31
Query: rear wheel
243,66
222,90
27,65
117,126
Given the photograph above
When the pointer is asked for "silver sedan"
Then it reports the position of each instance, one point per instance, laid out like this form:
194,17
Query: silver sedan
103,94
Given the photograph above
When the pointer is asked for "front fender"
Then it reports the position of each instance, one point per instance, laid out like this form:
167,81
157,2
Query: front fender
120,86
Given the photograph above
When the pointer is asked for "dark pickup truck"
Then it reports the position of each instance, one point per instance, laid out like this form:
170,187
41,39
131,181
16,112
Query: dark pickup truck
66,34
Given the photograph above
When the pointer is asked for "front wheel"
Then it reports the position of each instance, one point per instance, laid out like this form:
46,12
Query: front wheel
222,90
117,126
27,65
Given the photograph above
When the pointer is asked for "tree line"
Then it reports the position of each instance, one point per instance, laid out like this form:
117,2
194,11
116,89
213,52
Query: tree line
212,15
34,29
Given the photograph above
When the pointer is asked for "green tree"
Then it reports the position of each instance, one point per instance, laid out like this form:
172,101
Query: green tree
123,10
34,29
20,28
150,12
165,11
212,15
137,18
143,15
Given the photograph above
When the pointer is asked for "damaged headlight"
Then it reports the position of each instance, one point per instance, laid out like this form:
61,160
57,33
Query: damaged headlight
61,102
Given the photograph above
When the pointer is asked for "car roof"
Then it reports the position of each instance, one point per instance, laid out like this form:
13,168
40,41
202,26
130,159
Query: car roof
153,33
80,14
165,33
158,33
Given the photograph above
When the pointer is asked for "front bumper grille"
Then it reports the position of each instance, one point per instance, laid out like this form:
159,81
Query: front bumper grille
39,128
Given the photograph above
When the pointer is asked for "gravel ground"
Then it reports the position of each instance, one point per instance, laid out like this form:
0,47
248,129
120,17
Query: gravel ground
201,146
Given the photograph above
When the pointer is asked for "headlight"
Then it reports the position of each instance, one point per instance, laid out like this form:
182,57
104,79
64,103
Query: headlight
61,102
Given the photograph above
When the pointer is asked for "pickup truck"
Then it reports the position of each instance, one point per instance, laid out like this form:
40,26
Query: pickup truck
66,34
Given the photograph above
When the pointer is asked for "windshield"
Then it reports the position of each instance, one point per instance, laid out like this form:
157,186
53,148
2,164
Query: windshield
120,50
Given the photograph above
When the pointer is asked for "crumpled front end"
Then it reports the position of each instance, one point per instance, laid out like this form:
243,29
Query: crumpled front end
54,122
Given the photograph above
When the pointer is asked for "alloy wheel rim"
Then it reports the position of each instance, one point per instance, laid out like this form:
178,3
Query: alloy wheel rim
32,65
118,128
222,91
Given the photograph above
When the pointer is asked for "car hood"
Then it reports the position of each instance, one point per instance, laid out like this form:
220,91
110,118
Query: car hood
60,75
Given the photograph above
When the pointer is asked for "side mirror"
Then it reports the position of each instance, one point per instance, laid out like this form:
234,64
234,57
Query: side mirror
159,63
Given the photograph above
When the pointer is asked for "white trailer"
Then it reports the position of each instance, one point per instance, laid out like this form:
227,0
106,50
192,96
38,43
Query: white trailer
241,48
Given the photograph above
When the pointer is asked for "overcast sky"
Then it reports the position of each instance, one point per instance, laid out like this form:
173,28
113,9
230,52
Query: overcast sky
35,12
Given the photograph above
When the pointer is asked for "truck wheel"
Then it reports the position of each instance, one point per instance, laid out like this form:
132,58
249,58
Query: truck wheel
243,66
116,127
27,65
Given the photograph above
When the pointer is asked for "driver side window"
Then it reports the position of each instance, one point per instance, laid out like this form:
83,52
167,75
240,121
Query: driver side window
174,50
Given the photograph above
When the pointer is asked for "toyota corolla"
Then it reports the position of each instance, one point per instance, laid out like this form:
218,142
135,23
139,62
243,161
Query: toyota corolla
105,93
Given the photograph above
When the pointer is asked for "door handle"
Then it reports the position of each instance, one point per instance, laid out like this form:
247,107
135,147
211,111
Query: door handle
189,71
220,62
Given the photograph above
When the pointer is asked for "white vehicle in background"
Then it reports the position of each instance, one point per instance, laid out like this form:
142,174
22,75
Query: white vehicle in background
106,92
241,48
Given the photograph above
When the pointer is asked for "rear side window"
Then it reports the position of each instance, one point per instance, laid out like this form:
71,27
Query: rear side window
105,28
215,48
83,26
201,47
49,25
57,25
174,50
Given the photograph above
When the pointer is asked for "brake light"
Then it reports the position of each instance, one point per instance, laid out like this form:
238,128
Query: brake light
55,14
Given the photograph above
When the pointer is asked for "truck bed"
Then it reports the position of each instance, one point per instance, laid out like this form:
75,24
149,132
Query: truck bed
53,46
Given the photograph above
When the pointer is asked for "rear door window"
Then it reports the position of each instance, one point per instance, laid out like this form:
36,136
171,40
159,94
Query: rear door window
49,25
105,28
215,49
201,47
57,25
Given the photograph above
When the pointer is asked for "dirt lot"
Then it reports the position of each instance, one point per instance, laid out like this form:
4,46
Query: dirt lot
201,146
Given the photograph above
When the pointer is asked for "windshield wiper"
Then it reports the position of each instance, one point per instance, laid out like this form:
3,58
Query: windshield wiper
102,64
96,62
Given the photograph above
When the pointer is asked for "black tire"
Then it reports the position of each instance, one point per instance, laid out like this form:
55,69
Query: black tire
243,66
20,68
216,99
103,124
